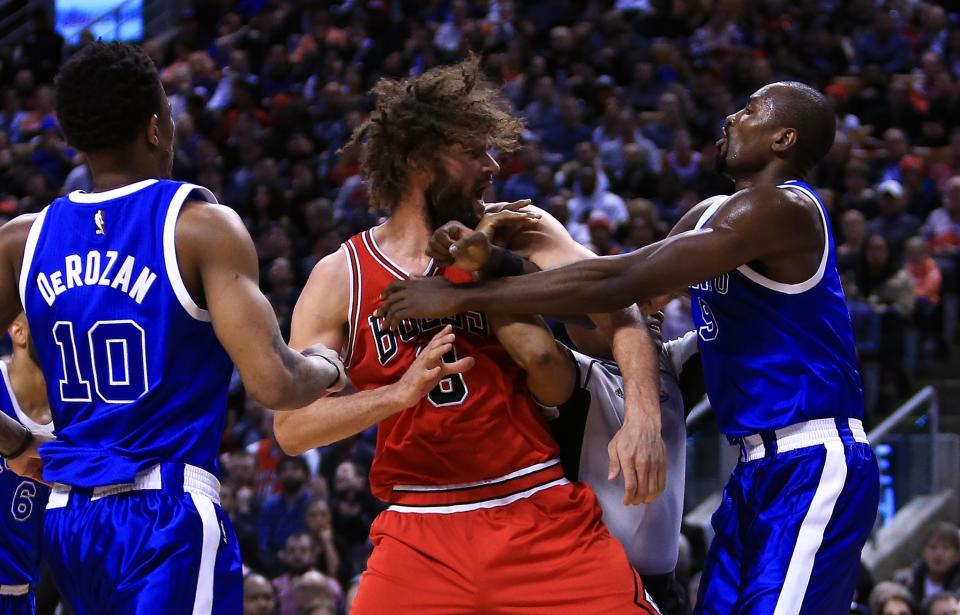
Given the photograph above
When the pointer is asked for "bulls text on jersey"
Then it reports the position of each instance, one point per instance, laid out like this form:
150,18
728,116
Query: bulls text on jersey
410,331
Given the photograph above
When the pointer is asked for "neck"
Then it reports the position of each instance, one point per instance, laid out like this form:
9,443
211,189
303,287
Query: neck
406,234
114,169
29,388
770,175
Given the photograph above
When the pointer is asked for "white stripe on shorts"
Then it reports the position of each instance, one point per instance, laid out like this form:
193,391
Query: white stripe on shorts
832,479
203,602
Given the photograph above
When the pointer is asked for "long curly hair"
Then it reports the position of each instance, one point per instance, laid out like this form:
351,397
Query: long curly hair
417,118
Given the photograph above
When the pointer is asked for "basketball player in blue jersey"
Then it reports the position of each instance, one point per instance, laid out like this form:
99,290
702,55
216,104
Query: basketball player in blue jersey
777,350
23,398
141,296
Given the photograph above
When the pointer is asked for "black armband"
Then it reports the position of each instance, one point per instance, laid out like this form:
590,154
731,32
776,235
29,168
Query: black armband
511,264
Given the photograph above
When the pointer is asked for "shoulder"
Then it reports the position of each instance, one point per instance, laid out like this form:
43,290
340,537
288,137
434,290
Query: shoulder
13,237
768,204
326,296
211,227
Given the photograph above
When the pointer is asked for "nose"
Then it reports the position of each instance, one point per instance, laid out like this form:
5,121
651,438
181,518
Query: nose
490,165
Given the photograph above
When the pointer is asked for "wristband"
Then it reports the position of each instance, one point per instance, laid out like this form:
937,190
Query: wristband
511,264
23,446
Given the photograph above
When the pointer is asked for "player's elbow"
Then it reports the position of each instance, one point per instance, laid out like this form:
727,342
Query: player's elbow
288,436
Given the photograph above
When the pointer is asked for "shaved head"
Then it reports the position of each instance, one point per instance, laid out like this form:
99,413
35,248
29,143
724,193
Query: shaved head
803,108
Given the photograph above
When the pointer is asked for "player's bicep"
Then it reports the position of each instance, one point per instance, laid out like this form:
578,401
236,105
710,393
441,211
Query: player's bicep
214,240
320,316
547,244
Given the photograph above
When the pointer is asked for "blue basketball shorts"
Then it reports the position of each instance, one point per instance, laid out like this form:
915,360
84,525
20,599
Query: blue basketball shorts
18,605
794,517
161,545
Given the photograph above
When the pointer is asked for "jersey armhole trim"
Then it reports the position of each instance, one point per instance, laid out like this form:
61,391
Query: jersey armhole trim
711,209
801,287
33,235
356,294
170,249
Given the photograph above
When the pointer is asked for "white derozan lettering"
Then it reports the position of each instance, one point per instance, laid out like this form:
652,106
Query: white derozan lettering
79,271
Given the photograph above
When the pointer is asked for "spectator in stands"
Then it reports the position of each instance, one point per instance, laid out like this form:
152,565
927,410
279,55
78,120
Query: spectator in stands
316,594
299,557
942,227
942,603
285,513
320,526
867,336
926,279
858,193
258,597
922,196
884,45
894,223
887,591
682,159
592,198
938,568
896,145
854,227
561,138
950,167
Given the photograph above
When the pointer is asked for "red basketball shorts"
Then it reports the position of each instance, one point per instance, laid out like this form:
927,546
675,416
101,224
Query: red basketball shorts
543,550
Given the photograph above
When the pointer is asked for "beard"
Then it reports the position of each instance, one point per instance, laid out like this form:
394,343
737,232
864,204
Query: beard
448,201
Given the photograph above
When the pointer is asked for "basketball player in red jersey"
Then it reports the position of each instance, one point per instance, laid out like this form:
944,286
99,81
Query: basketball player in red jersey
481,518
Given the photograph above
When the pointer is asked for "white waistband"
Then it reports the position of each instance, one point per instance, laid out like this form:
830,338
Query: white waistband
15,590
195,480
801,435
481,483
494,503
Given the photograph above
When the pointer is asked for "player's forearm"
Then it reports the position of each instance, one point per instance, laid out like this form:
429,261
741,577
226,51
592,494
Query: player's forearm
636,355
332,419
594,285
284,379
610,283
13,436
550,373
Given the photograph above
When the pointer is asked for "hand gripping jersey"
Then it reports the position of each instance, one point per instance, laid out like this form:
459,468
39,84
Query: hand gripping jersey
777,354
21,505
135,373
471,427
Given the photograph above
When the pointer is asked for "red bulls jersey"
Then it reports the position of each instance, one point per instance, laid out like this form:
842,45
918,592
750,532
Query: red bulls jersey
473,426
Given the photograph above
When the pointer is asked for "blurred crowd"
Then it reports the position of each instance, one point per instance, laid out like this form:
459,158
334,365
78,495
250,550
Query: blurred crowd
623,101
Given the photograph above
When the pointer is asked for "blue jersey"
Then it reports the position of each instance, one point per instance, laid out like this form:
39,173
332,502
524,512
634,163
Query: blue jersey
21,505
134,371
777,354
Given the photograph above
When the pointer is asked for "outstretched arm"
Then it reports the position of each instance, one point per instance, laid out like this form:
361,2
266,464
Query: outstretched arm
754,224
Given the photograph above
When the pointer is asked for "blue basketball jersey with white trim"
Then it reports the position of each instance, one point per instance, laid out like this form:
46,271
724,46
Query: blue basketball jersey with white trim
21,505
135,373
777,354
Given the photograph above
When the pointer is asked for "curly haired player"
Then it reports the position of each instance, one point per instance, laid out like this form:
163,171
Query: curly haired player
481,517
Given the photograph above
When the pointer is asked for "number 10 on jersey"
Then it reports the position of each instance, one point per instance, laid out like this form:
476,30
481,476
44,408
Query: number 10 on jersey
116,362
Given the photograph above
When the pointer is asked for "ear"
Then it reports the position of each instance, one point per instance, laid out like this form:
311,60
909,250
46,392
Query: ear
18,333
153,131
421,173
784,139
